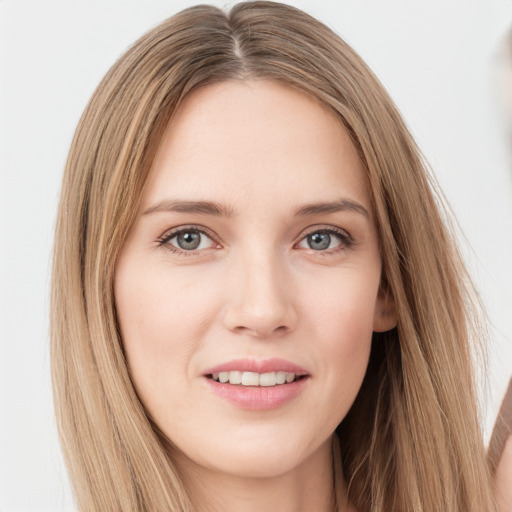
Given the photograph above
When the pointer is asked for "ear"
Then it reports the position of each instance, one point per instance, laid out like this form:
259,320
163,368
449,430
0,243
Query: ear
385,317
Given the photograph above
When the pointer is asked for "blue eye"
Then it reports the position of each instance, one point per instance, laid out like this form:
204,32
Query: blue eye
323,240
319,241
187,240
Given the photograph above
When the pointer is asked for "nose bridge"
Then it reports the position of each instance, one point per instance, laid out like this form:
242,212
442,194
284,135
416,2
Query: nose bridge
259,299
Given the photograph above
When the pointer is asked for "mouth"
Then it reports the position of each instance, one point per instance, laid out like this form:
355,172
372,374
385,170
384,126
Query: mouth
254,379
257,385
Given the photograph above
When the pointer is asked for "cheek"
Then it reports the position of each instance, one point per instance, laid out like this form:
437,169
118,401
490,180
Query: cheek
342,308
341,322
160,333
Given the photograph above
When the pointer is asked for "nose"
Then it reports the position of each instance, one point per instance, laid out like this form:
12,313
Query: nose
260,299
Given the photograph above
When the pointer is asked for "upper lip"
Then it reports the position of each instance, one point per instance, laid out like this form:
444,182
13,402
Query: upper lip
257,366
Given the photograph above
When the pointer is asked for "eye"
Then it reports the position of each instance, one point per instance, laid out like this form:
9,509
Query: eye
325,240
187,240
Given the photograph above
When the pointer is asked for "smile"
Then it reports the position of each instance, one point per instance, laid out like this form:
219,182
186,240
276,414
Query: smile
255,379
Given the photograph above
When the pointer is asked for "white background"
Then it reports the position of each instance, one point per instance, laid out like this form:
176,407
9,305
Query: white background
439,59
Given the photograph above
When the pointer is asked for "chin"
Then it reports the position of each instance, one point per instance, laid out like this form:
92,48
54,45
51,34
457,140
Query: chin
255,455
254,464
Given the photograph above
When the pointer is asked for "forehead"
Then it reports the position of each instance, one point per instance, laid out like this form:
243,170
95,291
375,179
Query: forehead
241,141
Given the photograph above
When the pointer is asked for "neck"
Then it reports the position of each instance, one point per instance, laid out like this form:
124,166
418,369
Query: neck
309,486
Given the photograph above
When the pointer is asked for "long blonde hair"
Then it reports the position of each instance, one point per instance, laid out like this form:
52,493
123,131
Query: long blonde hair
411,441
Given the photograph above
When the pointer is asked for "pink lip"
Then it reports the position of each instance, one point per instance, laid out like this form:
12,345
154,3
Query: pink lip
257,397
253,365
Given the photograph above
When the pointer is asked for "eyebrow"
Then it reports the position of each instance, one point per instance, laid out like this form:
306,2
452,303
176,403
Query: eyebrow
341,205
220,210
201,207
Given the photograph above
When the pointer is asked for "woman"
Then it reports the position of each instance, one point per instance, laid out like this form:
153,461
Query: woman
256,304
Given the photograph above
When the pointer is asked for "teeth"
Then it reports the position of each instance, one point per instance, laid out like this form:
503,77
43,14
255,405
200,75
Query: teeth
250,379
253,378
235,377
268,379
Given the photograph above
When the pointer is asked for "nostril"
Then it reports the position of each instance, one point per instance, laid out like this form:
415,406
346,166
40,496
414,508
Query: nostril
259,305
262,331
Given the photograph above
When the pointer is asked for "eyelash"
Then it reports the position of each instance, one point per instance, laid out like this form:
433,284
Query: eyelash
346,240
167,237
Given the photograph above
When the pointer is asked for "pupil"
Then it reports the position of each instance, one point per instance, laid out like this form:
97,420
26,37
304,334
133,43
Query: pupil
319,241
189,240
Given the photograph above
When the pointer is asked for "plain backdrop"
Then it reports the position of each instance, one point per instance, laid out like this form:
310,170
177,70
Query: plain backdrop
441,62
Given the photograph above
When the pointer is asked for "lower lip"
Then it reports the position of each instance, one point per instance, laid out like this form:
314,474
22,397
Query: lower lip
258,397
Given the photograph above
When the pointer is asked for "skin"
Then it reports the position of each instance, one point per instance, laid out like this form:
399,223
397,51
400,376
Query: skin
254,288
504,479
503,475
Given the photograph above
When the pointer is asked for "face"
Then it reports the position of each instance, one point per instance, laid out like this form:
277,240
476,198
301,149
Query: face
254,260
